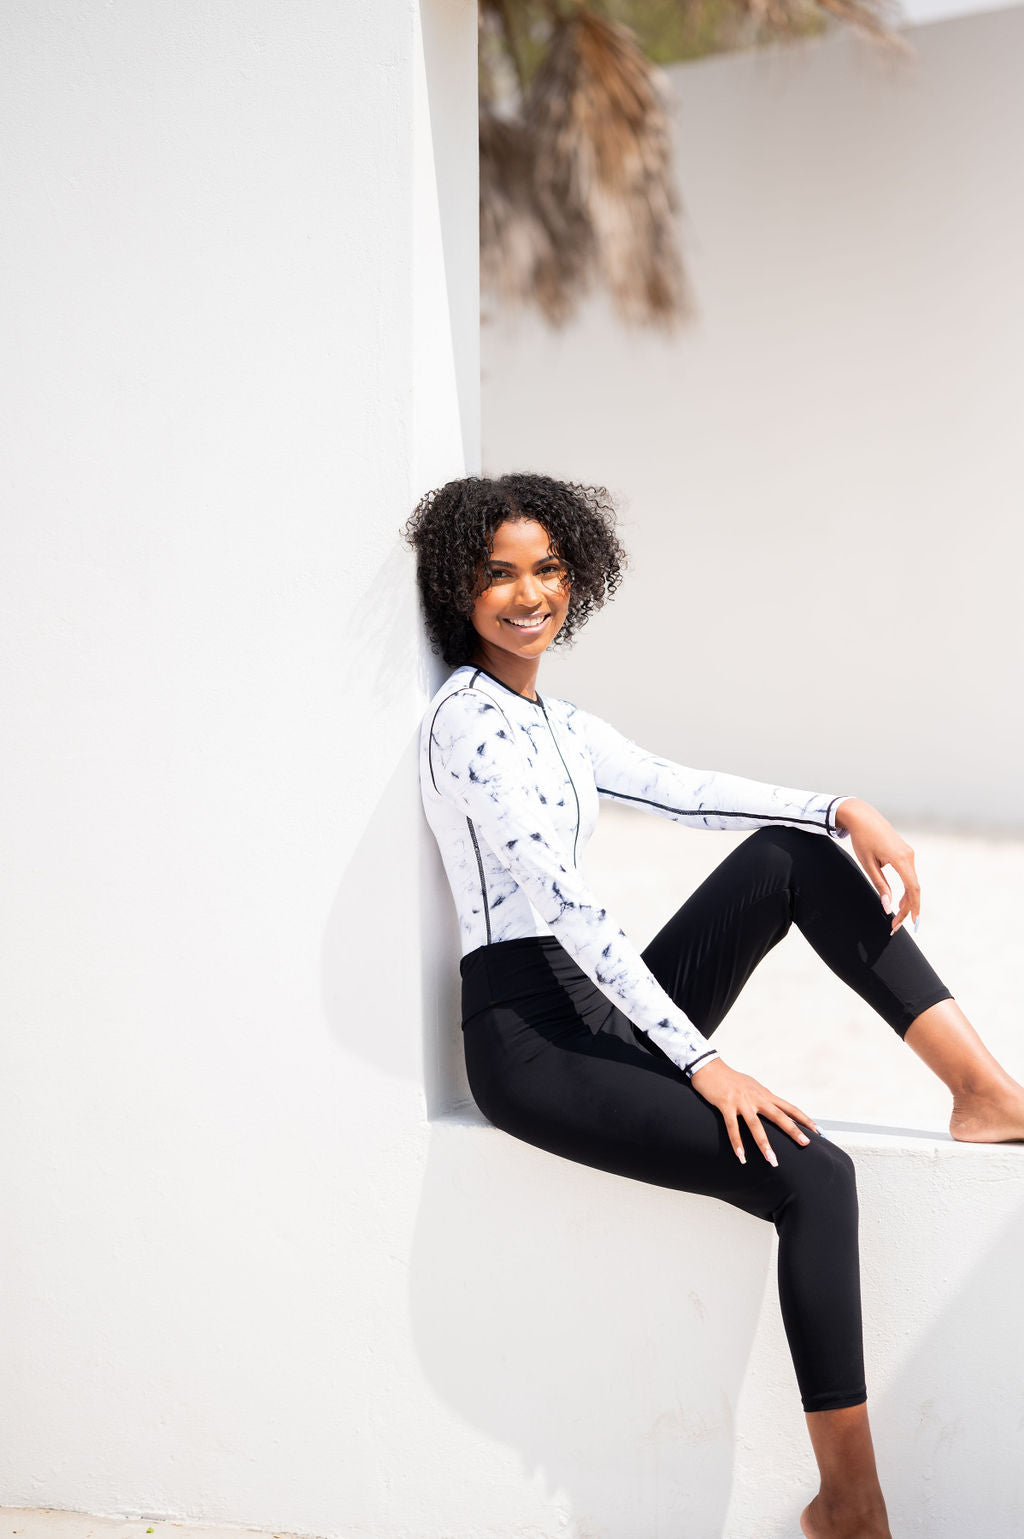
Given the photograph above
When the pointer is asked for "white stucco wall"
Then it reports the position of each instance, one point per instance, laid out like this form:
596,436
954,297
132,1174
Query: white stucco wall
821,479
241,309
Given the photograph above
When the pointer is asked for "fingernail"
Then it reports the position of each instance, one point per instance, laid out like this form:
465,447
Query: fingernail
770,1157
917,924
804,1139
885,903
741,1156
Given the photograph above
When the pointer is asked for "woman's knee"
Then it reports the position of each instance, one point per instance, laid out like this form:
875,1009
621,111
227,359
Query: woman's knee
821,1175
771,854
841,1169
810,864
797,843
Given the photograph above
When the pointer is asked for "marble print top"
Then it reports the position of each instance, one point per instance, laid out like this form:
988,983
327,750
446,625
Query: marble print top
511,787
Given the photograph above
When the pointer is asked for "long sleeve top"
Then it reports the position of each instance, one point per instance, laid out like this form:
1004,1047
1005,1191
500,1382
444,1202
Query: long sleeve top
511,788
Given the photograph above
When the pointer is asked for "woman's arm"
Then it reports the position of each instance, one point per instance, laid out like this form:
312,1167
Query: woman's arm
699,798
876,844
709,799
476,765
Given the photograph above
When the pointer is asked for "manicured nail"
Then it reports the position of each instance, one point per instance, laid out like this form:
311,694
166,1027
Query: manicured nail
885,903
804,1139
740,1155
770,1157
917,924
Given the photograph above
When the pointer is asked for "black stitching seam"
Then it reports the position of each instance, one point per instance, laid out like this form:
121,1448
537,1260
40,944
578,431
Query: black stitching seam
430,738
708,812
483,884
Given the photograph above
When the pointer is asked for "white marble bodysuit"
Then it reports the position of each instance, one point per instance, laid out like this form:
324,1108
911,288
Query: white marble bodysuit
510,788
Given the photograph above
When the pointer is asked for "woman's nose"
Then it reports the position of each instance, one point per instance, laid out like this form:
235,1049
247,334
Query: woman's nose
528,588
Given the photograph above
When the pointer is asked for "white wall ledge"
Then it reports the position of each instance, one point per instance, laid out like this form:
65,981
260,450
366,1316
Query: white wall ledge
623,1341
855,1136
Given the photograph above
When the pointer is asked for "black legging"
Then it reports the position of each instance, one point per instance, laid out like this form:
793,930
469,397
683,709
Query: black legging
553,1062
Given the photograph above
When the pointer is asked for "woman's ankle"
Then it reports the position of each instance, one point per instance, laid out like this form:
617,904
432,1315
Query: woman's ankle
847,1515
946,1041
857,1504
849,1504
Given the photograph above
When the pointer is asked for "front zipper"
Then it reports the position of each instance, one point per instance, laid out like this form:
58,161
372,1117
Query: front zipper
568,777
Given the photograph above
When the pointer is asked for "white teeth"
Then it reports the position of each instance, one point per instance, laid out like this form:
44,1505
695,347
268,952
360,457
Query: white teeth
527,625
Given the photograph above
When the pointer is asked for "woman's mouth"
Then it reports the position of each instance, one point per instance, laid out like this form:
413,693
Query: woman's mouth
534,622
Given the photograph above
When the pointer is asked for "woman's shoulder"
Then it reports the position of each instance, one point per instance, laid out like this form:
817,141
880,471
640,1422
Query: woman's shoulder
461,701
466,683
457,680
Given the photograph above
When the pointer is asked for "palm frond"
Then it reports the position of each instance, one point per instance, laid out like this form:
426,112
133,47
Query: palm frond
603,167
521,259
576,178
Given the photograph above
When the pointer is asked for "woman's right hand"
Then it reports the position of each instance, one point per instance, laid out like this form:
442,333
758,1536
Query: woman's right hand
738,1095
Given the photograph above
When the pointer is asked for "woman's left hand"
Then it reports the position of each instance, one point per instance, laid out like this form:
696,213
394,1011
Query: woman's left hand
876,844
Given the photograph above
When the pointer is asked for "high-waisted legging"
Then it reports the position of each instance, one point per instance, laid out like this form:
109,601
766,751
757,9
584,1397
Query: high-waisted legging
552,1061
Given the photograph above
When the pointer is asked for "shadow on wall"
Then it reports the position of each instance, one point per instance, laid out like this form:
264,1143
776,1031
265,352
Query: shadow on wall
948,1426
392,918
415,1031
382,639
361,938
598,1326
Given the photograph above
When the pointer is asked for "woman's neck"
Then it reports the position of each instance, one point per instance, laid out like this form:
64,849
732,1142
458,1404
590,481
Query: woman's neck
517,673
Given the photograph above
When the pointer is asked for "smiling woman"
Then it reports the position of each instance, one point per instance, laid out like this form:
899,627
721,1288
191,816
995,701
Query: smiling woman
588,1048
523,598
453,531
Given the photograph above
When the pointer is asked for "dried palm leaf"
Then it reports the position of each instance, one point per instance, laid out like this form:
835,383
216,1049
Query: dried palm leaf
496,16
603,167
877,18
576,180
520,259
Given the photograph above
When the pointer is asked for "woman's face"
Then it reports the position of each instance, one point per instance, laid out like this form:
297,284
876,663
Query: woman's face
527,598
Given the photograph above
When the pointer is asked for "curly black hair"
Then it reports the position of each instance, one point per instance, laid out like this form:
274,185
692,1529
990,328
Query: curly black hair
452,531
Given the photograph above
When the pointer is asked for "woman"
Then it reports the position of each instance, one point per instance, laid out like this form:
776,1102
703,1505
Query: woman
581,1045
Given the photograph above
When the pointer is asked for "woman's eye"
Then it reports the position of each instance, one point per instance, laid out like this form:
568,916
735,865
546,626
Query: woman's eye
552,572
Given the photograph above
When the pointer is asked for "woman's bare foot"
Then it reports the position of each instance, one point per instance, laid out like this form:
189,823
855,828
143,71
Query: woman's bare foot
988,1105
818,1522
991,1117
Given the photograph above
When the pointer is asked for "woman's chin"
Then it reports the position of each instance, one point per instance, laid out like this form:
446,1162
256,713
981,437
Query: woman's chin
532,648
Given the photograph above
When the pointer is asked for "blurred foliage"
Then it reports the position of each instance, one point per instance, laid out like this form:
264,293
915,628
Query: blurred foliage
576,180
668,31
